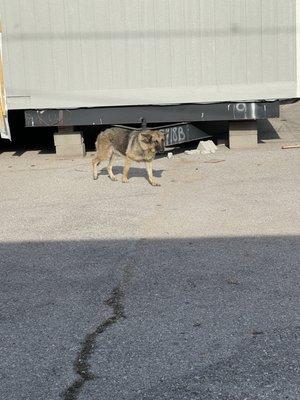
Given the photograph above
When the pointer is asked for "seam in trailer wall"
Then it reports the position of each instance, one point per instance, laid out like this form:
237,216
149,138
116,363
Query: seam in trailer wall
298,45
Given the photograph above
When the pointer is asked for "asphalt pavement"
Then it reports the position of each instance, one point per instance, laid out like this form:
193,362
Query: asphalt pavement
114,291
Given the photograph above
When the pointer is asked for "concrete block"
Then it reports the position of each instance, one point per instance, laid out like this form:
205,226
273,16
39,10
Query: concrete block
242,134
243,142
68,138
71,150
69,143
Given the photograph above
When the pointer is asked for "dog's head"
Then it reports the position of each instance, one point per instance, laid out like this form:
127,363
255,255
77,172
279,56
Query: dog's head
155,140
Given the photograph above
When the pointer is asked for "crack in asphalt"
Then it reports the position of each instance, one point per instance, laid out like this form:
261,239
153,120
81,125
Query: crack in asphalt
81,364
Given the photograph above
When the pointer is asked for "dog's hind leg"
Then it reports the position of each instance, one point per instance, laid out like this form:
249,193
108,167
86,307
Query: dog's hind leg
126,169
95,162
109,168
150,174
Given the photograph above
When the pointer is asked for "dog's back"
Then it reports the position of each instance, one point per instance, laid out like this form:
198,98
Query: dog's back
118,138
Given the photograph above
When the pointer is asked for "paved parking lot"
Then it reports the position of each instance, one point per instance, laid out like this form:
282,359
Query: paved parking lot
126,291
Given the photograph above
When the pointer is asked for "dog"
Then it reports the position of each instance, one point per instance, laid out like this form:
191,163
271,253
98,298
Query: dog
139,146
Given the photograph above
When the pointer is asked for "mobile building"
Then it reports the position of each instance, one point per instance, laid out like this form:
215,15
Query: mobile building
91,62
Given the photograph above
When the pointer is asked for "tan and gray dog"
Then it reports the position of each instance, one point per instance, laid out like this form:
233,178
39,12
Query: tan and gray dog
133,145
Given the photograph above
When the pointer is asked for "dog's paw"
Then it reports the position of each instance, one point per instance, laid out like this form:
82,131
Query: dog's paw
95,177
113,178
125,180
153,183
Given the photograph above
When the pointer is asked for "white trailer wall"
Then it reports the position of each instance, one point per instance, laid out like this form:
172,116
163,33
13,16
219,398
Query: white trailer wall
83,53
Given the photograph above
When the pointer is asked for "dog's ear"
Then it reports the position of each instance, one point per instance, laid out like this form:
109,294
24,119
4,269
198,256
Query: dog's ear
162,133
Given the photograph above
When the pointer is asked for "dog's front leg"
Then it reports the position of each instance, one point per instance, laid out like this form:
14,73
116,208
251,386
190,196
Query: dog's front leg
126,169
109,168
95,163
150,174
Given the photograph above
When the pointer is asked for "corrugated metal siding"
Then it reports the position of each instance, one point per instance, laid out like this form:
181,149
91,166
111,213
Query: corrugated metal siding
80,53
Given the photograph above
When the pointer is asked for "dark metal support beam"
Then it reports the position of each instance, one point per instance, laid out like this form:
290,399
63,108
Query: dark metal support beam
152,114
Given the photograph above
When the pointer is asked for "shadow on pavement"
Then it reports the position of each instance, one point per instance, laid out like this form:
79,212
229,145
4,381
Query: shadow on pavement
133,172
211,318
